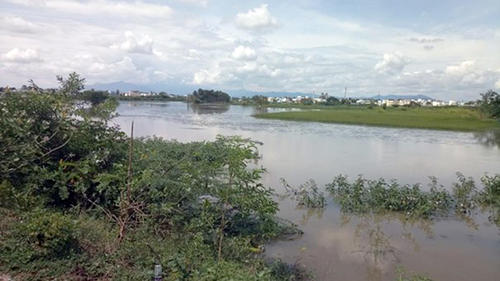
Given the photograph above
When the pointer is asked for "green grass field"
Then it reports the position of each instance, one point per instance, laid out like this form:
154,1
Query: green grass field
449,118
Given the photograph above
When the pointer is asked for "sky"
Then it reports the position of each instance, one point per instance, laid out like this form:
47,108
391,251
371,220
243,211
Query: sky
445,49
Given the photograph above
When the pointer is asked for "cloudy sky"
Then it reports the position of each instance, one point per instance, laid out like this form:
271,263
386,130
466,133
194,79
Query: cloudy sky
446,49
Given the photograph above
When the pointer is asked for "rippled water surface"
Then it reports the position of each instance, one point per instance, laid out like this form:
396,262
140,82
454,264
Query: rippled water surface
337,246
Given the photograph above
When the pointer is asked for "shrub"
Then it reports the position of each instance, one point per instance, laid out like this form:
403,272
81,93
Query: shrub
48,234
364,195
489,197
307,194
464,194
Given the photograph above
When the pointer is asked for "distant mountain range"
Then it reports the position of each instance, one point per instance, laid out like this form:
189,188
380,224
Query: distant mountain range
182,89
171,88
246,93
174,87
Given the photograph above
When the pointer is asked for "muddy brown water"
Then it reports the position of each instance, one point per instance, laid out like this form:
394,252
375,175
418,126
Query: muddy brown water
337,246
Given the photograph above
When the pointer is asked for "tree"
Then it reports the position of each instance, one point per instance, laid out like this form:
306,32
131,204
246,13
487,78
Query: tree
209,96
71,85
332,101
490,103
95,97
260,100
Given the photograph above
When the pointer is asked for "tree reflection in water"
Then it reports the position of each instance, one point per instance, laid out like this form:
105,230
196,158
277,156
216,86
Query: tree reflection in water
489,138
375,244
208,108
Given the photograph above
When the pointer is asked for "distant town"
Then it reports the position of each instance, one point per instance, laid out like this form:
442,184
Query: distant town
323,98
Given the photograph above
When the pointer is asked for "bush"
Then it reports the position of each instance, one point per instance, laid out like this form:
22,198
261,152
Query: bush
490,103
465,194
364,195
489,197
307,194
48,234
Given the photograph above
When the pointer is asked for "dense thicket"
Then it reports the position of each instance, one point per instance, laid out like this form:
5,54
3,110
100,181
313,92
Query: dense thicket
209,96
81,200
490,103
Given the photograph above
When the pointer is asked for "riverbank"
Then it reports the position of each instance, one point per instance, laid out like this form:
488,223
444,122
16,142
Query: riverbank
449,118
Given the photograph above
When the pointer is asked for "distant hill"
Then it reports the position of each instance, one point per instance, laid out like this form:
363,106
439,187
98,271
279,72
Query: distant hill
395,97
173,87
246,93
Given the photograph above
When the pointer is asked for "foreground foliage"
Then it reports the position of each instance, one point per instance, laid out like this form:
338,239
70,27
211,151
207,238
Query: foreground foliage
81,200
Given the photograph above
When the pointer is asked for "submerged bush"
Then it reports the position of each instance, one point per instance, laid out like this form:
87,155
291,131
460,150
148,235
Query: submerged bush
489,197
362,195
307,194
464,193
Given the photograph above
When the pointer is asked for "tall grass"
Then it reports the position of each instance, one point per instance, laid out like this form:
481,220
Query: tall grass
447,118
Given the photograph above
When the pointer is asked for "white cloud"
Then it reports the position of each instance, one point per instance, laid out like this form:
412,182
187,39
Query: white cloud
426,40
207,77
133,44
244,53
257,19
103,69
392,63
17,24
461,69
202,3
96,7
497,84
309,52
22,55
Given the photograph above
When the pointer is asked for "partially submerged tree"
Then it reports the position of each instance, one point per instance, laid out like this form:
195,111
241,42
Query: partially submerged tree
490,103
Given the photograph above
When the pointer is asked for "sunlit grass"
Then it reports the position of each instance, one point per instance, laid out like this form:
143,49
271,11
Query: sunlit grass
449,118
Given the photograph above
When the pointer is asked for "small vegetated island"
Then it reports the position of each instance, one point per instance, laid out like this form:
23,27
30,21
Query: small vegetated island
208,96
467,118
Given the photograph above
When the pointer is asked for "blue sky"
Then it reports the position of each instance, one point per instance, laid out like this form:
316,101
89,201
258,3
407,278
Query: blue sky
445,49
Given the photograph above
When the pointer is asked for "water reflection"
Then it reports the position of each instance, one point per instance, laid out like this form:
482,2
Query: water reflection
260,109
489,138
374,236
316,213
343,246
208,108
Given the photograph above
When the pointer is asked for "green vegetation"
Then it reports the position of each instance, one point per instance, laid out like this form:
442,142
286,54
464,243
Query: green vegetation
378,196
307,194
257,100
449,118
79,200
209,96
490,103
364,195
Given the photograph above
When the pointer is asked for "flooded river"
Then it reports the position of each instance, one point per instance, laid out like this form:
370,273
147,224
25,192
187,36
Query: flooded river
337,246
